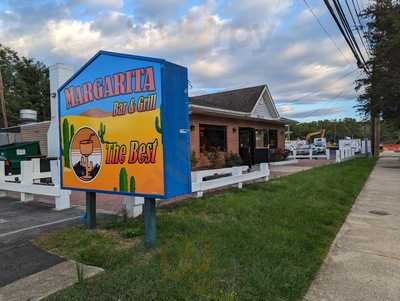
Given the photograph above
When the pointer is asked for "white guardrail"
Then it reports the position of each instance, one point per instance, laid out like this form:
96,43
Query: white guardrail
229,176
28,183
310,155
345,153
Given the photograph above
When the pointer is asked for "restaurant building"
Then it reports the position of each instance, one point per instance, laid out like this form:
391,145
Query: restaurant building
242,122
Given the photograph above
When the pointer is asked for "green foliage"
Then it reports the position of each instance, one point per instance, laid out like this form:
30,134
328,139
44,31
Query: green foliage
67,134
214,157
233,160
347,127
390,132
101,132
279,155
335,129
123,180
194,159
265,242
131,232
132,184
26,85
381,86
158,125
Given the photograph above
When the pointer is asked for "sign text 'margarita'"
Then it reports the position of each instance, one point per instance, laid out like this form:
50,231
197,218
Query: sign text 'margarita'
131,81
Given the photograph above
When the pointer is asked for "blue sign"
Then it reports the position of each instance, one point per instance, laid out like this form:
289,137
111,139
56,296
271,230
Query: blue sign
124,127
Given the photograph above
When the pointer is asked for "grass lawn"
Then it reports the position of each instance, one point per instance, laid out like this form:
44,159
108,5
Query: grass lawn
264,242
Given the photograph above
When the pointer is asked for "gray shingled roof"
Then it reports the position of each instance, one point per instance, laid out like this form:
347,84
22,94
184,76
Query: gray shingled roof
241,100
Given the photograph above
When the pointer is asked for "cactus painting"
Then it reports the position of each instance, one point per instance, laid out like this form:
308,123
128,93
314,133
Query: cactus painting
102,132
158,125
132,184
67,134
123,180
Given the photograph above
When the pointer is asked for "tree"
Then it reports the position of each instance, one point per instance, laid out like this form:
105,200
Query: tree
381,96
335,129
26,85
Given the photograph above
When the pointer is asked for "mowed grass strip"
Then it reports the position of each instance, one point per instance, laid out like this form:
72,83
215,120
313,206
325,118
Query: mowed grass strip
264,242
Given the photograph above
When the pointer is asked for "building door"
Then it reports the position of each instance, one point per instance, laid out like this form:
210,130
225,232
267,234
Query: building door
246,145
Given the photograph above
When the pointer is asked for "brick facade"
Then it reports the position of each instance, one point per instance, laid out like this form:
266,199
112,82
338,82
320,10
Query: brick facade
232,133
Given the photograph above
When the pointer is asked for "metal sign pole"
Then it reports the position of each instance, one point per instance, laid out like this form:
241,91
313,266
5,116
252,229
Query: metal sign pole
91,210
149,213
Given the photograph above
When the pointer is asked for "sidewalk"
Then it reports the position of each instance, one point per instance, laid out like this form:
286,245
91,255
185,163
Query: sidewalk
364,260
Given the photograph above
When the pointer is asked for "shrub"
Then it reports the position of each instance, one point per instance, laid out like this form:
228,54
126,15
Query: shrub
194,159
279,155
213,157
233,160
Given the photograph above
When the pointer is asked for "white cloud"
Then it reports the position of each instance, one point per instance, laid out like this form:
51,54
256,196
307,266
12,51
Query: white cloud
231,45
314,113
284,110
99,4
68,37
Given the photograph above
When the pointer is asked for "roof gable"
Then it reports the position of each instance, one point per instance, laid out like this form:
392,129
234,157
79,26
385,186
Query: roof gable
254,101
240,100
265,107
260,110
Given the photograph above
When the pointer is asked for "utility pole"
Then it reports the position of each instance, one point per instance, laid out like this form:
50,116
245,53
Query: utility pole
3,102
376,134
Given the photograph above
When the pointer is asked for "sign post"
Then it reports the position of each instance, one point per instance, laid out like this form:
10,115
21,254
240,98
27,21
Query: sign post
91,210
149,212
123,122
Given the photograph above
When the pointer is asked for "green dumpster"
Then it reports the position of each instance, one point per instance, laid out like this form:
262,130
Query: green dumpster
17,152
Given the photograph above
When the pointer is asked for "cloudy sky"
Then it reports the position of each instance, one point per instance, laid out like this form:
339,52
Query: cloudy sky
225,44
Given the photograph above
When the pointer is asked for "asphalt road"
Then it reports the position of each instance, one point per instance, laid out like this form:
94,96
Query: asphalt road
19,224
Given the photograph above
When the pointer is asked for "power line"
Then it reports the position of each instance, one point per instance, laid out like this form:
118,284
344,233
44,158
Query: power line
358,5
317,92
348,36
328,5
356,27
326,32
348,30
358,12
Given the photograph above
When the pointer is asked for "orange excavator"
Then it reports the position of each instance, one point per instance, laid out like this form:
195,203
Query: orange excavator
321,133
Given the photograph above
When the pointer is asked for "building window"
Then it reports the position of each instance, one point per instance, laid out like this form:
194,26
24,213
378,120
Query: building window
212,138
273,138
261,138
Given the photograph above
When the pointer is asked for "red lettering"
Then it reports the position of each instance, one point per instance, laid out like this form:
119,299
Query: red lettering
132,81
119,84
87,92
98,88
109,88
138,80
133,156
122,154
79,96
69,96
129,82
142,153
149,79
153,151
